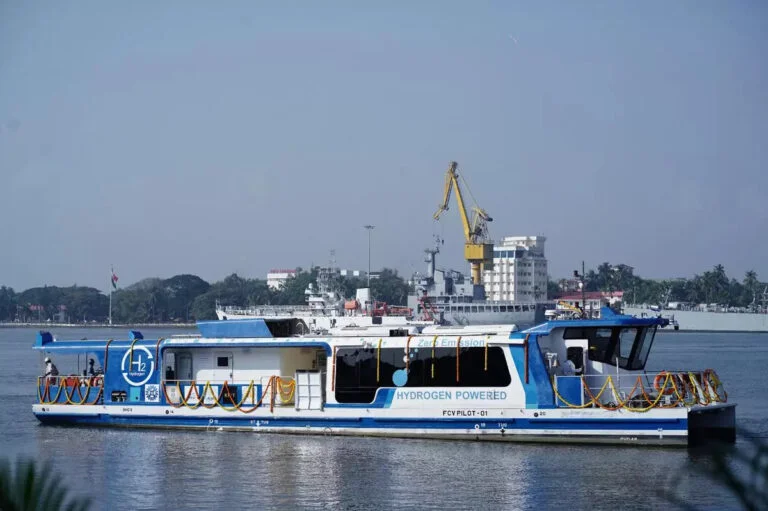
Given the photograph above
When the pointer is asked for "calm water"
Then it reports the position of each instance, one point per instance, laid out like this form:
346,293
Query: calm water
124,469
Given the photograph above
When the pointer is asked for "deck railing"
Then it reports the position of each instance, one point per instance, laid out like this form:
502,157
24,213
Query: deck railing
231,396
70,390
640,393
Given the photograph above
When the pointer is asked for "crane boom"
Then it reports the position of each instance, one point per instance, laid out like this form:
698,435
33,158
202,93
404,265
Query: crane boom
477,248
451,182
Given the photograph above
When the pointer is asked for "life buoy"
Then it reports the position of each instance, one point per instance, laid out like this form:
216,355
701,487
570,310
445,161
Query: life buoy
659,381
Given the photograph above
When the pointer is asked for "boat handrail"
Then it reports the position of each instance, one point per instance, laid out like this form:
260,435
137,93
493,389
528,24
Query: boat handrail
84,386
667,389
276,386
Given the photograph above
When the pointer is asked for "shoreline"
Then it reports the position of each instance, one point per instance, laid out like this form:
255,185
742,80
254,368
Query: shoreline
98,325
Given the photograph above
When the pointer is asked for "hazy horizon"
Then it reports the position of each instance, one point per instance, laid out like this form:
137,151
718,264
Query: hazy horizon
188,138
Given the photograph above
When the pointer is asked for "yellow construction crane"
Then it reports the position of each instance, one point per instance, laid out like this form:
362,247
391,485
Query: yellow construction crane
478,249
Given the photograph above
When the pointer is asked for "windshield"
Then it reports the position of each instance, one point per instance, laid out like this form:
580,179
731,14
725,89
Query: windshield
643,348
627,347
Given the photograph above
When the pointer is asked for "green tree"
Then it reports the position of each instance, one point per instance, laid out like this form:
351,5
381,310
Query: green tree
85,304
8,302
389,287
604,277
350,285
553,288
591,281
292,292
233,290
751,288
180,292
131,306
204,307
30,487
720,284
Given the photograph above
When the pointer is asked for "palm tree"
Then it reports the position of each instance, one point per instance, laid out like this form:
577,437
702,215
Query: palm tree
750,287
31,487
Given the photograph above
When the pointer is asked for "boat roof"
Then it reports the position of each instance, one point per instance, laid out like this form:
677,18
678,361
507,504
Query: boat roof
216,332
608,318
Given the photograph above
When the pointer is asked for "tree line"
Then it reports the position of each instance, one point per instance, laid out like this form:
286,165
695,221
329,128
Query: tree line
187,298
179,299
711,287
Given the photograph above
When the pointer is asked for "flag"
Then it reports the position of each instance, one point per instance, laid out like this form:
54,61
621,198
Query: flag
114,280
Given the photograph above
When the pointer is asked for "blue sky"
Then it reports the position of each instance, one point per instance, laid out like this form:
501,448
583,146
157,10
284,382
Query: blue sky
188,137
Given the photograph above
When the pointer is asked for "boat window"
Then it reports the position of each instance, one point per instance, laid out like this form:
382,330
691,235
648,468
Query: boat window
356,370
356,374
575,333
222,361
503,308
643,348
440,371
627,338
474,308
600,344
627,346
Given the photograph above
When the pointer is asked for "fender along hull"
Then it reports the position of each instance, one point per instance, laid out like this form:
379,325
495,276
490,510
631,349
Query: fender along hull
619,431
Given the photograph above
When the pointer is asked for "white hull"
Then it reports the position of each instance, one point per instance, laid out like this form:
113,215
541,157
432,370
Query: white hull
317,322
501,425
700,321
491,318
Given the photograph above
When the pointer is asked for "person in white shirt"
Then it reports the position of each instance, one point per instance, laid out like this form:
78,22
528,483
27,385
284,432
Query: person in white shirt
51,370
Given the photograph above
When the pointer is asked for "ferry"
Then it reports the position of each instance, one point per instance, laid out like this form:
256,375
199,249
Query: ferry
565,380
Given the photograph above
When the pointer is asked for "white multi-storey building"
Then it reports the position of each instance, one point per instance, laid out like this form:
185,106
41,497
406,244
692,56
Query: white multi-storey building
519,270
277,278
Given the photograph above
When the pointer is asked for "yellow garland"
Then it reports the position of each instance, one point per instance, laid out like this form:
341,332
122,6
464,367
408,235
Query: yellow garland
624,405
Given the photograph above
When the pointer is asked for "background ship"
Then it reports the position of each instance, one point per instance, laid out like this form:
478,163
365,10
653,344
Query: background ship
709,317
447,297
326,309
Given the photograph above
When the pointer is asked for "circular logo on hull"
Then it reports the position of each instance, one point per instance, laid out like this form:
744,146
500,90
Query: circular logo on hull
137,370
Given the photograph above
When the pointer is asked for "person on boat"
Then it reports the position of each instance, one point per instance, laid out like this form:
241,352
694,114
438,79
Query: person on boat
51,371
568,368
169,373
91,370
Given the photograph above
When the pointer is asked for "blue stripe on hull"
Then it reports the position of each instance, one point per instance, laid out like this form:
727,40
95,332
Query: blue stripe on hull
485,424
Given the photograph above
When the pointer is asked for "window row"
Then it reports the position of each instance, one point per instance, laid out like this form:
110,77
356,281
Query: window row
361,372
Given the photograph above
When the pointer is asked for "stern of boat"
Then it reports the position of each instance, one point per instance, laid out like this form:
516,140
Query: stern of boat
715,422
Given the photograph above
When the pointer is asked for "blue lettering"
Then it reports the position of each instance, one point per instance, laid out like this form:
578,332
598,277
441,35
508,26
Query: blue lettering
426,395
496,395
436,395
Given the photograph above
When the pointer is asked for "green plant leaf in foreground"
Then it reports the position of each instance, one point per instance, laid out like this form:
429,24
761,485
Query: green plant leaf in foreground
28,486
